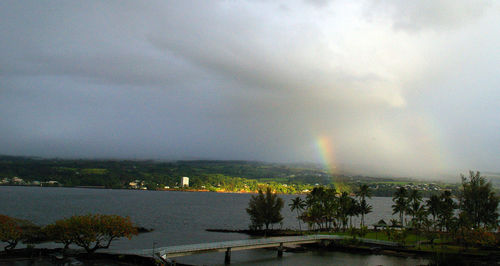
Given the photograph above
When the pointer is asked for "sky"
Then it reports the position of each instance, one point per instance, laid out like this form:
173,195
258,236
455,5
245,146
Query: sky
376,87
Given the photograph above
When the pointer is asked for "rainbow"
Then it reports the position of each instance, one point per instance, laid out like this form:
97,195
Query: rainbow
326,150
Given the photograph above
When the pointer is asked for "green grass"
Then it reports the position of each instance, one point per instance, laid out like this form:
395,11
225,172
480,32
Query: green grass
411,244
95,171
395,182
411,238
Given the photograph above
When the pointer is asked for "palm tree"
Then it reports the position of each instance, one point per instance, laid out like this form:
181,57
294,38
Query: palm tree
420,218
363,192
344,209
414,200
298,204
364,208
316,207
433,207
353,210
446,210
401,203
331,207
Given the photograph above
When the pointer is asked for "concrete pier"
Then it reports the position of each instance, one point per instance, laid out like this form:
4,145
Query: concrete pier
228,246
227,259
280,250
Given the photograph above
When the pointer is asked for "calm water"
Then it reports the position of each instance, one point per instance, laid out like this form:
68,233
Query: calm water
181,218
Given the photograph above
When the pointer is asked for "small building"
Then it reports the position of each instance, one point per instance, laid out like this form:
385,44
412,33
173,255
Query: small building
17,180
185,181
133,184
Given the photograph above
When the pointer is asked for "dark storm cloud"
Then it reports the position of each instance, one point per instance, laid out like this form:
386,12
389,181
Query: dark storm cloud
257,80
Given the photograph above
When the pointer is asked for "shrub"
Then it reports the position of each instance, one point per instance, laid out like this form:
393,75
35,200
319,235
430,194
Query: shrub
92,231
13,230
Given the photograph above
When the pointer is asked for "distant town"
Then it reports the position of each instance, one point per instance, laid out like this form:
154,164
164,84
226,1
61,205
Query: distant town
213,176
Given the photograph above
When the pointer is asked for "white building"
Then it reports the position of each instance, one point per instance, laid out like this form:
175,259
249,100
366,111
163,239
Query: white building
185,181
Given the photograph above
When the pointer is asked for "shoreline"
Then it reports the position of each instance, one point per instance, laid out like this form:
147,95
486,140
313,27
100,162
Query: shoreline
169,189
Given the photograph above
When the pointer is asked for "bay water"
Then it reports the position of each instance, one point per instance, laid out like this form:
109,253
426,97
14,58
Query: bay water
182,218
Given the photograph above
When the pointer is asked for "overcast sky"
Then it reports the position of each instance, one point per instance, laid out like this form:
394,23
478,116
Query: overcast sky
404,88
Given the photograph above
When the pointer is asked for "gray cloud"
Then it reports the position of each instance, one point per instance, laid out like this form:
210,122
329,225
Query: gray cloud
395,86
428,14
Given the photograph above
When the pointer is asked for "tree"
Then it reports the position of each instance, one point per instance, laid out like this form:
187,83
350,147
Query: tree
321,207
354,209
414,199
478,201
364,208
446,209
92,231
401,203
433,207
298,204
265,209
59,232
13,230
346,209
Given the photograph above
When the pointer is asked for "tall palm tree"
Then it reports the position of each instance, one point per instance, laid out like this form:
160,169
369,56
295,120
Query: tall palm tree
401,203
446,210
363,192
353,210
298,204
364,208
420,218
344,209
414,199
433,207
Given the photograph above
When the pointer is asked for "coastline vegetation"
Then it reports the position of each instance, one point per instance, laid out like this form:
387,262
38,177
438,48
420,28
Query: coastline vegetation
90,232
442,224
215,176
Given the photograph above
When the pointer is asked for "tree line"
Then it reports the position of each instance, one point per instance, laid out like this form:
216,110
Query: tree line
471,217
91,231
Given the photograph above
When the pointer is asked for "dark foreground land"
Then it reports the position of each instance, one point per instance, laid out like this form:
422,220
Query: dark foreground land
36,256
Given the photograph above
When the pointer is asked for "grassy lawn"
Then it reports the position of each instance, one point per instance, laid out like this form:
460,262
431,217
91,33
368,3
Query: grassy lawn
439,246
96,171
381,235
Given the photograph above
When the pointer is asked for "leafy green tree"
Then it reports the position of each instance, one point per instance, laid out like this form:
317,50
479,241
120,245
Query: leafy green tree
265,209
13,231
10,231
478,201
92,231
59,232
298,205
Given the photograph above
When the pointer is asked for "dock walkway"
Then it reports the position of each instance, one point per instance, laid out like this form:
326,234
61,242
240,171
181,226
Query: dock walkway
234,245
